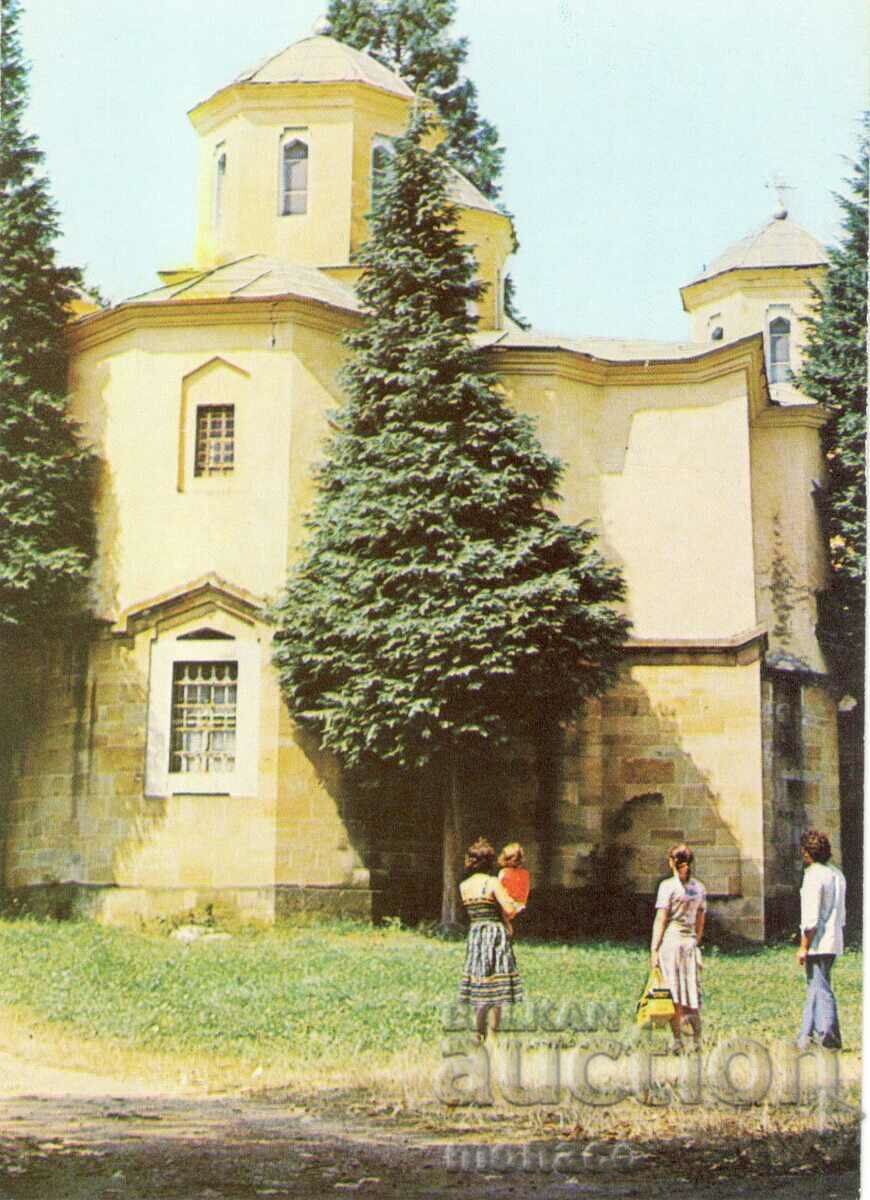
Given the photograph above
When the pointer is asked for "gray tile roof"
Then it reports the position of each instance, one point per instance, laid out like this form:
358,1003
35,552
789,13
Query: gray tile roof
324,60
605,349
254,277
780,242
463,192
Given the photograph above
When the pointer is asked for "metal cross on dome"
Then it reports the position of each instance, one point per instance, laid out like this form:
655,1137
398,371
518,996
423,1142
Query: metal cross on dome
778,184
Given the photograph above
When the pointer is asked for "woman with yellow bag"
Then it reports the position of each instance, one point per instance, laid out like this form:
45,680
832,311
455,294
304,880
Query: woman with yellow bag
681,907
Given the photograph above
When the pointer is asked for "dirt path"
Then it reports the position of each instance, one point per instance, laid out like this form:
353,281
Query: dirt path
71,1135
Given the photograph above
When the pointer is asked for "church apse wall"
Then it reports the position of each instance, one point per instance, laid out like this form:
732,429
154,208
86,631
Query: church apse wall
162,524
661,471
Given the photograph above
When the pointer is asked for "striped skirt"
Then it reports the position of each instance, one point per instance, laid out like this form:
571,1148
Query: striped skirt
490,975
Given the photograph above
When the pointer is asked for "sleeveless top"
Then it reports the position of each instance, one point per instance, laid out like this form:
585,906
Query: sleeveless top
481,907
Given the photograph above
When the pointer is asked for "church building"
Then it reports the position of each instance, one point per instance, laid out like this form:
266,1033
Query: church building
152,767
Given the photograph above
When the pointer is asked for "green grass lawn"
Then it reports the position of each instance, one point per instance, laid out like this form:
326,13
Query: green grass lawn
327,994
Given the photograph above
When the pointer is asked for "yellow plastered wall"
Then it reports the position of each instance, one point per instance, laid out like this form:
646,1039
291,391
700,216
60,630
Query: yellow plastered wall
339,124
159,525
680,515
789,547
489,236
741,302
385,116
663,474
251,220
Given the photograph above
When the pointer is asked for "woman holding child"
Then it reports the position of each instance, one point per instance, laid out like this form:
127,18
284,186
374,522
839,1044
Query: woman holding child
490,978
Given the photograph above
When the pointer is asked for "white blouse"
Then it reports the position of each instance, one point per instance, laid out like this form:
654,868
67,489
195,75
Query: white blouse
683,902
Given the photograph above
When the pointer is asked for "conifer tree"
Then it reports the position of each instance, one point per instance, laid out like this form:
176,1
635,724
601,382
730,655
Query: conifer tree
439,606
46,534
834,373
412,38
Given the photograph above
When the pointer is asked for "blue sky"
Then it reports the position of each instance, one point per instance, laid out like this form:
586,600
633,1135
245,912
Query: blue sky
639,133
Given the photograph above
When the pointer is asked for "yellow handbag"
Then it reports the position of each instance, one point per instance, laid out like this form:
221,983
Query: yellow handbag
656,1004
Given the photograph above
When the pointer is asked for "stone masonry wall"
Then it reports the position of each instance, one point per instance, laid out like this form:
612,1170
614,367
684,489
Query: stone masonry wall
672,753
801,784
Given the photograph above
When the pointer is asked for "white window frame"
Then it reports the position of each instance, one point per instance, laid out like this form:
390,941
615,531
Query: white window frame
288,137
220,179
774,311
165,653
379,142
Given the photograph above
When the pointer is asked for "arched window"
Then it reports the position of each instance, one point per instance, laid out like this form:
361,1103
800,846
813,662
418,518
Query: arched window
717,333
294,177
383,153
220,174
779,332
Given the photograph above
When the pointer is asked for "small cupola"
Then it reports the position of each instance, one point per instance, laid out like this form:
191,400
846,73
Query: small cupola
761,283
290,156
279,149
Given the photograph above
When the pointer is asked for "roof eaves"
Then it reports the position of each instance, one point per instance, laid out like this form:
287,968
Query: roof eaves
85,329
757,267
567,348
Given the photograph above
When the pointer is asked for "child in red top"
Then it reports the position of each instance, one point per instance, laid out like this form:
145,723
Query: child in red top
514,877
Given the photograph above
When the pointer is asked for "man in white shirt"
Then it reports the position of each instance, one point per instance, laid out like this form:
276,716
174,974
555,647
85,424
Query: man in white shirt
823,915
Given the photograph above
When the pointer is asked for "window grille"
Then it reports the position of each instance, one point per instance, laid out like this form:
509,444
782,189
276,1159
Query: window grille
294,178
215,439
203,738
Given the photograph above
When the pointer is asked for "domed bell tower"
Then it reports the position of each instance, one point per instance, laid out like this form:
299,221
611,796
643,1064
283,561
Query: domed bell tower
761,283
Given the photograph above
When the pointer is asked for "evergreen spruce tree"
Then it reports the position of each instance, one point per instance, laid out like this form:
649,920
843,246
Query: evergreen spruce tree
834,374
412,38
439,606
46,534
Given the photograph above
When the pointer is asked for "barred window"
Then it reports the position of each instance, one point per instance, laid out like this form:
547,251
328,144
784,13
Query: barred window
215,439
203,721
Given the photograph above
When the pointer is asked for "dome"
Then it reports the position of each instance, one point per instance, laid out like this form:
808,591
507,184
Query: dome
320,59
780,242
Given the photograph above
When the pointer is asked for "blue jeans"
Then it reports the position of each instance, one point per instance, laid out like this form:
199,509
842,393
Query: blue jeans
820,1010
